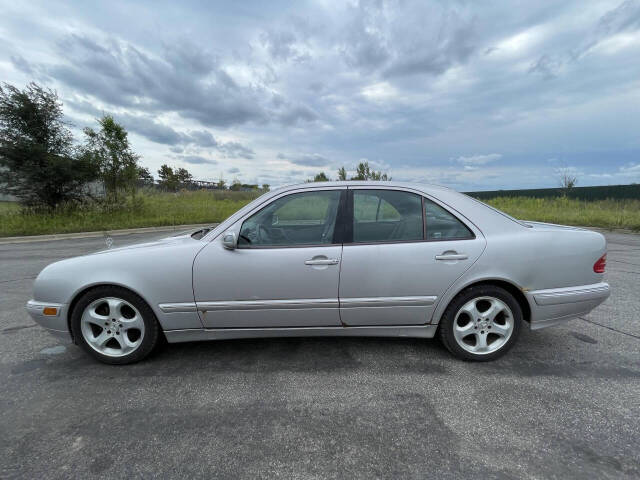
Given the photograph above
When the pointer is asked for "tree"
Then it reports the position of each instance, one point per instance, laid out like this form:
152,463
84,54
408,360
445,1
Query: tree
567,177
110,149
222,184
167,179
364,172
236,185
342,174
38,161
144,177
321,177
183,177
265,187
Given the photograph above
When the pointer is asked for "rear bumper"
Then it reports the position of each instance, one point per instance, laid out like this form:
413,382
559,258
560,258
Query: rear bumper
56,324
555,305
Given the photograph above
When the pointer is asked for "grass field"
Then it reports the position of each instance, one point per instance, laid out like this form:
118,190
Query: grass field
159,209
8,207
148,210
598,213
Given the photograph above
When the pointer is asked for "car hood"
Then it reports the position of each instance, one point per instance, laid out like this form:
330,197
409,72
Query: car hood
162,242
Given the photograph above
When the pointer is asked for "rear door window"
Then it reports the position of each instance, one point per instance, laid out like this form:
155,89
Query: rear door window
442,225
386,216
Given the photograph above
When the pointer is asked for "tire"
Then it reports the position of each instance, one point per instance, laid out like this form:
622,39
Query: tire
484,311
114,325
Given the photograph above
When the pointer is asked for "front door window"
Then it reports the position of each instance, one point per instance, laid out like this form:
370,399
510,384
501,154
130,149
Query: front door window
300,219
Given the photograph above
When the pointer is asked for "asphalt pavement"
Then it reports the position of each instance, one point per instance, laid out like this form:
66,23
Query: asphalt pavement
564,403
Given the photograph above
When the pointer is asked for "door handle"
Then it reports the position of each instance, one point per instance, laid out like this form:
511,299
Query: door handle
452,256
321,261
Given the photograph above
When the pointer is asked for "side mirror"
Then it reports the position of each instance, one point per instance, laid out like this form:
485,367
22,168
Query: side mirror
229,240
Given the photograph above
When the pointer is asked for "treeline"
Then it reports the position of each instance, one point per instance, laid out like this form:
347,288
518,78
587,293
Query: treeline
604,192
174,179
41,163
43,166
363,172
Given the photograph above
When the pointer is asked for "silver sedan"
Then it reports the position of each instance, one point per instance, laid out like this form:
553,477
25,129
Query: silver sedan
344,259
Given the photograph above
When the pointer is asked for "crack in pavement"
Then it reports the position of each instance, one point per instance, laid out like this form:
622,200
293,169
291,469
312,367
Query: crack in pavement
626,263
610,328
17,279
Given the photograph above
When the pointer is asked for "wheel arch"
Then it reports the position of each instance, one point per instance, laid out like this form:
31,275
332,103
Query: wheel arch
79,293
510,287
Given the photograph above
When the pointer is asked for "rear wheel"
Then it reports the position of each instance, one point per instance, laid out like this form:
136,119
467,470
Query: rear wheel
114,325
481,323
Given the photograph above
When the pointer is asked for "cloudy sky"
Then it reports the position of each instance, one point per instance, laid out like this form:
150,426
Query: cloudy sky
473,95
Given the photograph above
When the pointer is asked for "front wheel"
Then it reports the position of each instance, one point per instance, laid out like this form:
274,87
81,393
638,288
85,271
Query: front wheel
114,325
481,323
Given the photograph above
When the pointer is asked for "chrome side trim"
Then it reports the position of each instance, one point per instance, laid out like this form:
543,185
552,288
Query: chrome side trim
416,301
268,304
583,293
177,307
193,335
304,303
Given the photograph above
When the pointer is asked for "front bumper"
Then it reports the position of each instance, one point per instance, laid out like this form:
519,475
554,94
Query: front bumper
55,324
555,305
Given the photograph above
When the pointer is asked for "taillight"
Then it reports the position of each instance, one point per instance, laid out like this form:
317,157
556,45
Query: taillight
598,267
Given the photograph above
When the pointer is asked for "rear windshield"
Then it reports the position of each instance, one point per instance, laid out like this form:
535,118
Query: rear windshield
519,222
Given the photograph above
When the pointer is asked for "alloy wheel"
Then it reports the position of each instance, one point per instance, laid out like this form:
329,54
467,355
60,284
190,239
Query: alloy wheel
112,326
483,325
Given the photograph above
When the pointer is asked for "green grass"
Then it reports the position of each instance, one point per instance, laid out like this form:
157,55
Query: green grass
160,209
599,213
148,210
8,207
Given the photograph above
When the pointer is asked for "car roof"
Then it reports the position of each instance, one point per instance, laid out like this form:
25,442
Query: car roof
487,219
423,187
491,220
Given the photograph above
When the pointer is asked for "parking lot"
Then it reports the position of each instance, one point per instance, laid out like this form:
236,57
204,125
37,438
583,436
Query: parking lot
564,403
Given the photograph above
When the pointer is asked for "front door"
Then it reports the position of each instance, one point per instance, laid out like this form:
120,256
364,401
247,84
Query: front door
284,271
405,252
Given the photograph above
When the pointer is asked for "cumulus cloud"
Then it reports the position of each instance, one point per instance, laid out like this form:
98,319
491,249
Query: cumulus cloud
161,133
623,18
429,41
196,159
22,64
632,170
185,79
408,85
474,160
306,160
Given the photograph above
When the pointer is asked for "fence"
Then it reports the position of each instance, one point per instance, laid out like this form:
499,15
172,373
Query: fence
617,192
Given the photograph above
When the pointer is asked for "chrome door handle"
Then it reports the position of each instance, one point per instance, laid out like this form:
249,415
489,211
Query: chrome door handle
452,256
321,261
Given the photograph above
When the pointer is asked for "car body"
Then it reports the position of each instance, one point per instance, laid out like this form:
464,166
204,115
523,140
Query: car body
338,258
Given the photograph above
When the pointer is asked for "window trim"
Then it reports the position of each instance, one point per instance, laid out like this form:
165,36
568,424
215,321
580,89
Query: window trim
345,217
424,196
351,217
343,192
473,234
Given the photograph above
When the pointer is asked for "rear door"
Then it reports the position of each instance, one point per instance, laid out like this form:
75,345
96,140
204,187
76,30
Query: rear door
401,252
